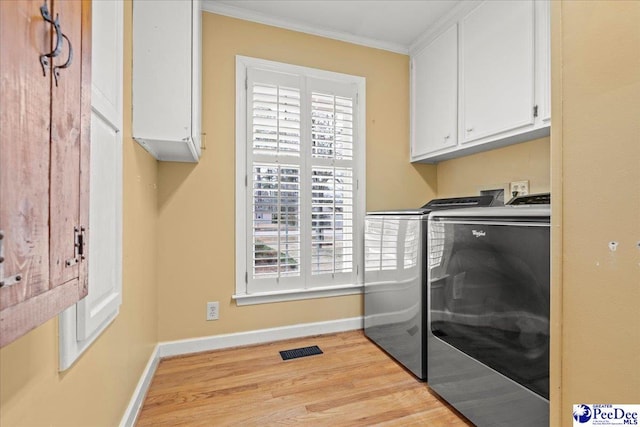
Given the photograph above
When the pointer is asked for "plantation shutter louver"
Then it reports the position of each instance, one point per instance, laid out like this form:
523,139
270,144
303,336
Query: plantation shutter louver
301,182
273,114
332,187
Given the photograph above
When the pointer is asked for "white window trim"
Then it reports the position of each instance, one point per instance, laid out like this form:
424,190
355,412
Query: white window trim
241,296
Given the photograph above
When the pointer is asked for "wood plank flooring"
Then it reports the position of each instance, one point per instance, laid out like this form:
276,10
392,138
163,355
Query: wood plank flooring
353,383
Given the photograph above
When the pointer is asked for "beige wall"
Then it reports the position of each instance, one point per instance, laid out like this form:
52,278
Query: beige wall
596,170
496,169
197,202
97,389
179,239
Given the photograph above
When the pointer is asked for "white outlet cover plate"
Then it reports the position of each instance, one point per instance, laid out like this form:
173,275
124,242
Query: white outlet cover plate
213,310
521,187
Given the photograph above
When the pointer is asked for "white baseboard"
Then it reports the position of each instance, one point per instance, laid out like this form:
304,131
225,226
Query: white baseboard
137,399
216,342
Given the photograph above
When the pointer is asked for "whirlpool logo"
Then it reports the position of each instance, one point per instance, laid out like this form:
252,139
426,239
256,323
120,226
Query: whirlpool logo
605,415
478,233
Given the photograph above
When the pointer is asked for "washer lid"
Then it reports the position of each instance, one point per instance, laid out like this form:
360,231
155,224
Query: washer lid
531,199
459,202
498,212
419,211
440,204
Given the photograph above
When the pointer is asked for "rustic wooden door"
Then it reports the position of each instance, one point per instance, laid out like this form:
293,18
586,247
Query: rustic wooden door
24,151
45,83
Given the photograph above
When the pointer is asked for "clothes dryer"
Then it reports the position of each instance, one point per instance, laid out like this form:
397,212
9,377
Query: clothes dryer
395,292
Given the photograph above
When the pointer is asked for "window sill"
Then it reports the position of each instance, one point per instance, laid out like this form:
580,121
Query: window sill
296,294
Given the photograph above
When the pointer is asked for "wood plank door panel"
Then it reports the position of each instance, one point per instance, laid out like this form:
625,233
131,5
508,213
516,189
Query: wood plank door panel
44,167
65,149
24,150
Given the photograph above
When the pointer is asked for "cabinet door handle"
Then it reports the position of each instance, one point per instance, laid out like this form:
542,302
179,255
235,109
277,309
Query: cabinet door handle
56,73
469,129
447,137
44,58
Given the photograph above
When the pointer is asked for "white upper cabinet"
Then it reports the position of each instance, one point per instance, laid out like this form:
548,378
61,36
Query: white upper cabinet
543,60
501,73
496,61
166,78
434,99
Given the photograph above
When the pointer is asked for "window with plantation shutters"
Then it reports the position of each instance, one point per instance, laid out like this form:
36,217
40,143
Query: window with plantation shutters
300,161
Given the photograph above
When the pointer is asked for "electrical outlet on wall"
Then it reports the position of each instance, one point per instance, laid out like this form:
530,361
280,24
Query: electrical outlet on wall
519,188
213,310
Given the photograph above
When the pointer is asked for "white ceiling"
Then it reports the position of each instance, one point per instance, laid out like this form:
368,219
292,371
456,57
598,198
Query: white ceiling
386,24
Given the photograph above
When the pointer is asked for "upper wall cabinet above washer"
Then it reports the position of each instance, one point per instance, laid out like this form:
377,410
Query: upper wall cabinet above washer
482,82
435,94
166,78
496,62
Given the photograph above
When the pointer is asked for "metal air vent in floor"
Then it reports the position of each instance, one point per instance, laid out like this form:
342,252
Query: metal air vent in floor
300,352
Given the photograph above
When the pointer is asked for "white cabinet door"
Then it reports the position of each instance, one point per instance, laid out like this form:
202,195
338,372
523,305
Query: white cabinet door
166,78
434,117
497,68
543,61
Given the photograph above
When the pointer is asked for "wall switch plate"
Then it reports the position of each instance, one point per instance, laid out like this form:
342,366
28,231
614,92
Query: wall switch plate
519,188
213,310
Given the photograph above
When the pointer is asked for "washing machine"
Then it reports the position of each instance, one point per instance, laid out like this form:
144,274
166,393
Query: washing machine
395,279
488,316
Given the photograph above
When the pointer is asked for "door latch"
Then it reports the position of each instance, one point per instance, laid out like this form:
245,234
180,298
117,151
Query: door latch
78,247
1,252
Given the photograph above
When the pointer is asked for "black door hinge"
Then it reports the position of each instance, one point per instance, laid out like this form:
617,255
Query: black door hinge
535,111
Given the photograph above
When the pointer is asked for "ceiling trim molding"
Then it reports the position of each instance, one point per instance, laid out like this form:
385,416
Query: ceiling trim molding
212,6
448,19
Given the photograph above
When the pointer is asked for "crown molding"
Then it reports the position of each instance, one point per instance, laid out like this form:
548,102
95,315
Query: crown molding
450,18
212,6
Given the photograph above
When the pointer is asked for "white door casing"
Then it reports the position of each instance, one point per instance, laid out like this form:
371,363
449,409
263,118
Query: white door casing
82,323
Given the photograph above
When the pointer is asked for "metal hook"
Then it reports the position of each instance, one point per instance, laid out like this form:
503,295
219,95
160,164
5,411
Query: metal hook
56,73
44,58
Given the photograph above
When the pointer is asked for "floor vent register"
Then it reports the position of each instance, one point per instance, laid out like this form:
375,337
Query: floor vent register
300,352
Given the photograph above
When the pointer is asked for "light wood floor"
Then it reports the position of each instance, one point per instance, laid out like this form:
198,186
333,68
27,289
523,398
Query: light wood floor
353,383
